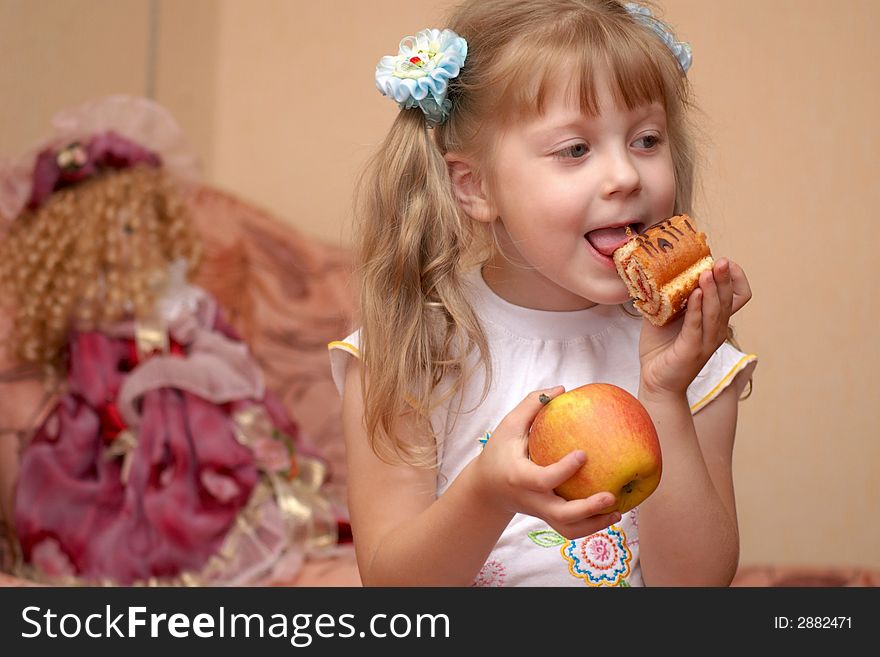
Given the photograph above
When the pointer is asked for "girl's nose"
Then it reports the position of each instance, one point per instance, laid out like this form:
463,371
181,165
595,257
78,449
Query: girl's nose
621,174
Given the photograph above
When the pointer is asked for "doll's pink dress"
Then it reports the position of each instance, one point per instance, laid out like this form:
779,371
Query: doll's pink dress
161,464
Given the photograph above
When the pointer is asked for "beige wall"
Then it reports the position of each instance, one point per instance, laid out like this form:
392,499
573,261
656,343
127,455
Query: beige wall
58,53
61,52
790,90
277,96
297,106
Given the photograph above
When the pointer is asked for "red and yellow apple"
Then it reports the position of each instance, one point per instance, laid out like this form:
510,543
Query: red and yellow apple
617,435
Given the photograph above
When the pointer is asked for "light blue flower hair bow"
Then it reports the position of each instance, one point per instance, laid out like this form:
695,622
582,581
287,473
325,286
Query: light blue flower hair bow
680,49
418,76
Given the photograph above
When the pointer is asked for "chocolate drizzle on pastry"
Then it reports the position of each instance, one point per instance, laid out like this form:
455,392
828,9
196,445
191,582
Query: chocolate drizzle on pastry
646,244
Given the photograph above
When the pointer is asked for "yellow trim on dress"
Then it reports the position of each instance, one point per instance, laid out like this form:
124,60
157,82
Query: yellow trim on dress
714,392
345,346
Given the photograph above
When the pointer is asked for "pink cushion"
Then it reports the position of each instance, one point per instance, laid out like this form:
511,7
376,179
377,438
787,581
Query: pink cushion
805,576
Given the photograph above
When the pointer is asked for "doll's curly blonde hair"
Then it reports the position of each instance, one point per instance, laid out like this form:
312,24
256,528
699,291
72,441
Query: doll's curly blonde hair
91,255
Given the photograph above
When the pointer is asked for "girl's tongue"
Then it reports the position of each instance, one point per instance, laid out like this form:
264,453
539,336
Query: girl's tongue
607,240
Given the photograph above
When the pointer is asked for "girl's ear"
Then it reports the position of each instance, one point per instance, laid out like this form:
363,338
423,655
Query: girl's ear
469,188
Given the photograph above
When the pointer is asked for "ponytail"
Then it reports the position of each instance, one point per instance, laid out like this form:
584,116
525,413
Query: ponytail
418,328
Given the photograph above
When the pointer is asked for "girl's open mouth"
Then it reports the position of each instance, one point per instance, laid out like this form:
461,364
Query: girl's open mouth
603,242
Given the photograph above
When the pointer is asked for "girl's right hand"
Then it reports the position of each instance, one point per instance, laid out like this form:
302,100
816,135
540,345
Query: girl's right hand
507,479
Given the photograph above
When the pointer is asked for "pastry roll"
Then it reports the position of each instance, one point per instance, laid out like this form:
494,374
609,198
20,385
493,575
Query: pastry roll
662,266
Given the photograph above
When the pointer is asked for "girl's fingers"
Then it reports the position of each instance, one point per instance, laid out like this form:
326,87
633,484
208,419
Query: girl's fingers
723,282
692,328
711,302
568,512
548,477
586,527
742,292
575,518
518,421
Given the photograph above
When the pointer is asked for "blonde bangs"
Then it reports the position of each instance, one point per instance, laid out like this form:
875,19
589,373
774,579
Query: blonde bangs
534,49
575,53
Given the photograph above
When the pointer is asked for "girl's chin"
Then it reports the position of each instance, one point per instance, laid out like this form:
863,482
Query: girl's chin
616,301
613,294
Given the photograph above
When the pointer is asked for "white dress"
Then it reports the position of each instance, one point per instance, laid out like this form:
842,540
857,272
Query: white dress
534,349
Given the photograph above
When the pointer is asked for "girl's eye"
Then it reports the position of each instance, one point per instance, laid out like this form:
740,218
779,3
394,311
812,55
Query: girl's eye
648,141
575,151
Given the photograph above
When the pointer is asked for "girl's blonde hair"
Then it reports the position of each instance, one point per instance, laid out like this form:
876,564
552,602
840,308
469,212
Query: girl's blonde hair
91,255
414,242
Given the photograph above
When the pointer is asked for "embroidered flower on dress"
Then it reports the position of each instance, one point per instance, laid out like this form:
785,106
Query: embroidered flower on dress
492,573
601,559
418,76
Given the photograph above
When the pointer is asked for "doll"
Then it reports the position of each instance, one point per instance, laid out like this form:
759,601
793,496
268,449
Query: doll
158,456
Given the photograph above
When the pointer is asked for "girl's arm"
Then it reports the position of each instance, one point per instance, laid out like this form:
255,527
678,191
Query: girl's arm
404,535
688,528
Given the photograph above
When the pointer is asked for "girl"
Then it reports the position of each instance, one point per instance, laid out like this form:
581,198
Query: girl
484,250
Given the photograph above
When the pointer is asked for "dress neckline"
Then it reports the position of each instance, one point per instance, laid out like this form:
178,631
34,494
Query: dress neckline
530,323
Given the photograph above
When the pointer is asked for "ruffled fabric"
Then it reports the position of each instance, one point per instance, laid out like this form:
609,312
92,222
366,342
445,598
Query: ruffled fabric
189,477
418,76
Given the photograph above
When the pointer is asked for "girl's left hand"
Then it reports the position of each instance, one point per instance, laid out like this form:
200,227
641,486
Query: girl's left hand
672,355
